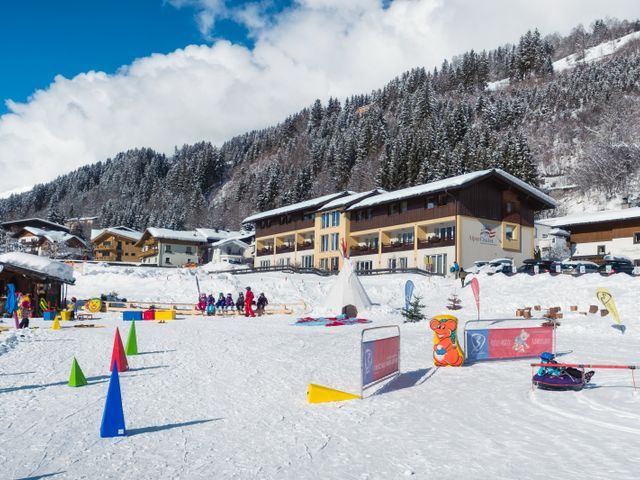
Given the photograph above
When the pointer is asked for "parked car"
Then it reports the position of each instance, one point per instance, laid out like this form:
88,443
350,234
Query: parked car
614,265
499,265
477,266
544,266
579,267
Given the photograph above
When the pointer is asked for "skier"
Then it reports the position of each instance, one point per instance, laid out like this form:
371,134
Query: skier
229,304
248,304
240,303
221,302
262,302
463,276
25,311
211,305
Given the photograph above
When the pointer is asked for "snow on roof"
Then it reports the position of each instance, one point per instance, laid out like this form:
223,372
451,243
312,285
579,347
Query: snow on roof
41,265
225,241
182,235
452,182
593,217
54,225
54,236
350,199
559,232
213,234
121,231
313,203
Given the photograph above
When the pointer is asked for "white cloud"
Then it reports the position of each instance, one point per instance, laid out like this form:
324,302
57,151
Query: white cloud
316,49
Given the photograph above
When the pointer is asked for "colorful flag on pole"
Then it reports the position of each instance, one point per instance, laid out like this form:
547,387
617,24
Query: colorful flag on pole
605,297
475,287
408,293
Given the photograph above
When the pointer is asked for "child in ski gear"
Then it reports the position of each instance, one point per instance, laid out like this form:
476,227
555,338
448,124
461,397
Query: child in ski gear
221,302
248,303
211,305
547,357
202,302
240,302
25,311
229,304
262,302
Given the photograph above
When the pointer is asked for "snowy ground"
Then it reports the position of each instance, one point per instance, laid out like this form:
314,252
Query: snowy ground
225,398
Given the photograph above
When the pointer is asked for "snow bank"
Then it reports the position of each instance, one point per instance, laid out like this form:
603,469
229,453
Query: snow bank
38,264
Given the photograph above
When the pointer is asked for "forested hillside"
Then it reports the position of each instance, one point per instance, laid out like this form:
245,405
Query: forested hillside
578,126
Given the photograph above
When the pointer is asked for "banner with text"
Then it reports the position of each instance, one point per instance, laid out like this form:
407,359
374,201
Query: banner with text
491,344
380,359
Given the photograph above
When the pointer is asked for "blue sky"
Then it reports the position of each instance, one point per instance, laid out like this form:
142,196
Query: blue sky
40,39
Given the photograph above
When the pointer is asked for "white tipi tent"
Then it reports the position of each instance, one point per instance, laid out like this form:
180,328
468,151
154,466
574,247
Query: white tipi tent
347,290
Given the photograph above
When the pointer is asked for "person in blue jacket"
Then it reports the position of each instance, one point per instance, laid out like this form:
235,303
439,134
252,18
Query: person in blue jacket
221,302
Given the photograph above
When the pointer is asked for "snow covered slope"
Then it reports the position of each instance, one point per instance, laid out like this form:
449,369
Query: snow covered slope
592,54
225,398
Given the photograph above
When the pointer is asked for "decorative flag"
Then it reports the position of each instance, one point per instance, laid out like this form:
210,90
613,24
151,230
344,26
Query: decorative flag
408,294
606,299
475,287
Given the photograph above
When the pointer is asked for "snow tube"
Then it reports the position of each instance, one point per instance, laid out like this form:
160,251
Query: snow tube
558,382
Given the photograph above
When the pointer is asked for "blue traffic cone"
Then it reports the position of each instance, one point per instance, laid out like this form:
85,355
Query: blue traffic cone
113,416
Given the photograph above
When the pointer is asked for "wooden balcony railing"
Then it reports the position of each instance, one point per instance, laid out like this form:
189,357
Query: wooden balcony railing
397,247
364,250
434,242
285,249
305,246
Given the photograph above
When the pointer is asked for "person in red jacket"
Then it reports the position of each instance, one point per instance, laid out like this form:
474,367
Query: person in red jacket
248,303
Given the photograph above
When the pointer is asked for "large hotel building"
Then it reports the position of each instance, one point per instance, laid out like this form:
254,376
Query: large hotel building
476,216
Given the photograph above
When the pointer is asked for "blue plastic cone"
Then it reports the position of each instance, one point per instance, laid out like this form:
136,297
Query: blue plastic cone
113,416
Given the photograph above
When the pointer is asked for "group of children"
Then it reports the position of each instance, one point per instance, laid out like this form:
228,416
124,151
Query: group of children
243,304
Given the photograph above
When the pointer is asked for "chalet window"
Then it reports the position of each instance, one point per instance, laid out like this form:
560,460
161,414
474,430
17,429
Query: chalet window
369,213
167,260
510,232
403,206
508,207
443,200
358,215
431,203
335,219
636,237
189,252
392,209
107,244
167,249
283,219
307,216
602,249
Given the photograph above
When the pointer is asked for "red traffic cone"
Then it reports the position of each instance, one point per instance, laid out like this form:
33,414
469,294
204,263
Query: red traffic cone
118,356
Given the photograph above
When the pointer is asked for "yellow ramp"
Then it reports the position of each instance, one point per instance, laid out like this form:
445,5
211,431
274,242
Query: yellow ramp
322,394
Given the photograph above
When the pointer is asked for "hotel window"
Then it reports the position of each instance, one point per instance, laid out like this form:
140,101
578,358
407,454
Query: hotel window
406,237
636,237
403,206
438,263
265,263
447,233
324,243
335,263
325,220
307,261
167,249
510,232
403,262
602,249
364,265
335,219
189,252
324,263
308,216
392,209
391,264
431,203
335,242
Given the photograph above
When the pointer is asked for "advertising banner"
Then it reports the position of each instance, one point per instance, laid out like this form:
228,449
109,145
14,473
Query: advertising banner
380,359
502,343
475,288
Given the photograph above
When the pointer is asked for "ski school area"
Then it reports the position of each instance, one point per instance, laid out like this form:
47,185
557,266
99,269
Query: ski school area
502,379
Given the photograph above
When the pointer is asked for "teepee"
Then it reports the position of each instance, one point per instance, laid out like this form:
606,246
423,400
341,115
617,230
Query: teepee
347,289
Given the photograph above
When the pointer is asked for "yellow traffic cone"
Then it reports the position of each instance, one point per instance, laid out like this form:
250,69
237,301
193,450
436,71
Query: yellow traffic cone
321,394
56,323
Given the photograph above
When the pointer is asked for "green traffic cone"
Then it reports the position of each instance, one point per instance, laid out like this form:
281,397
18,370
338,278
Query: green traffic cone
76,379
132,341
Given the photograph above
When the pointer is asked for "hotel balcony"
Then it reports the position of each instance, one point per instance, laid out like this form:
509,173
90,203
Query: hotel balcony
305,246
149,253
396,247
364,250
435,242
285,248
261,252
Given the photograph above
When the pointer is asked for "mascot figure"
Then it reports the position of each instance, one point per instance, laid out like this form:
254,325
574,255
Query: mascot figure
446,349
